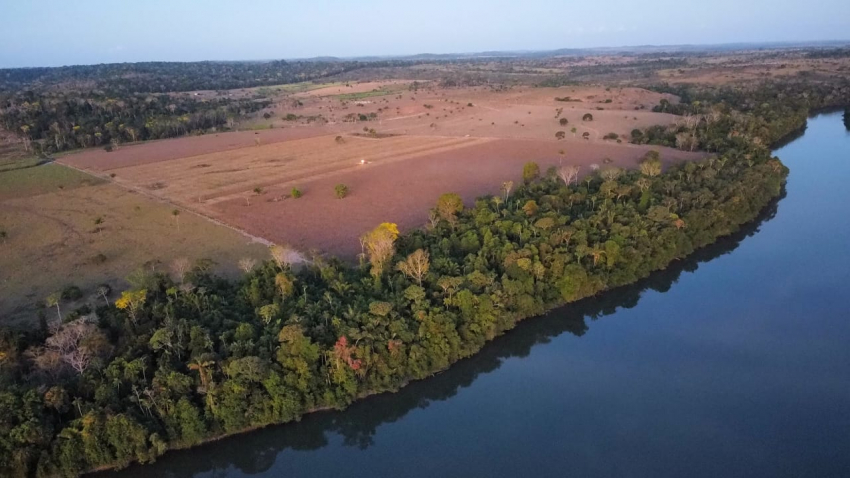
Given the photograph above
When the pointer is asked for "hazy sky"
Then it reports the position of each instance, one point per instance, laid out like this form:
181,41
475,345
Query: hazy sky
61,32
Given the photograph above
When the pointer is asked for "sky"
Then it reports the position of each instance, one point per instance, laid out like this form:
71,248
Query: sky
63,32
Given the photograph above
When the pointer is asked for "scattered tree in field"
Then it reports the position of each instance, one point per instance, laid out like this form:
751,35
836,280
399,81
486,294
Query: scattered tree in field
180,267
611,136
573,130
247,264
3,236
448,206
175,214
258,190
339,140
341,191
295,193
530,171
563,121
380,247
560,135
415,266
587,117
585,135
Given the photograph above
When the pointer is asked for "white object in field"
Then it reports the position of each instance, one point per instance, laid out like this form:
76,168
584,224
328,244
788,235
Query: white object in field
362,161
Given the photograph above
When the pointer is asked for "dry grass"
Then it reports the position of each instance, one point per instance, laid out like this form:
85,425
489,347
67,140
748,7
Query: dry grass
53,240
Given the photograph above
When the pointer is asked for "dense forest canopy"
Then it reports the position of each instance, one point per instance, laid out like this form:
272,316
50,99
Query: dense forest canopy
182,357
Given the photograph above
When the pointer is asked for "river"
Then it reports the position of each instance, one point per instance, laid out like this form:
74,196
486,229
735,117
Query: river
733,363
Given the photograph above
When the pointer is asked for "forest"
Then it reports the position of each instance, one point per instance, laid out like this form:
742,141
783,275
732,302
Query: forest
57,109
184,356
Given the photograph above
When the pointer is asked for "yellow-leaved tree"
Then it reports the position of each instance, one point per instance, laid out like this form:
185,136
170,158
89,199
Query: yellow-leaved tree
379,245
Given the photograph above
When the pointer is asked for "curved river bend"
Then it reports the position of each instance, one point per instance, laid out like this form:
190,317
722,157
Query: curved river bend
733,363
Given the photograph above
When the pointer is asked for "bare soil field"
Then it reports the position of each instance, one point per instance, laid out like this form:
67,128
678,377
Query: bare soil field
53,241
403,192
396,152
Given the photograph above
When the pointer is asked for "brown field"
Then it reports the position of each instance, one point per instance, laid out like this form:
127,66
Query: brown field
425,142
53,240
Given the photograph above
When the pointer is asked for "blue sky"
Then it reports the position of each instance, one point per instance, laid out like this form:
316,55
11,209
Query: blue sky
54,32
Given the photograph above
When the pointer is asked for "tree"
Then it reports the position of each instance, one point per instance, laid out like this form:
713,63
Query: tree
284,255
651,164
563,121
573,130
3,235
77,343
560,135
247,264
585,135
176,215
416,265
103,290
448,207
180,267
568,173
132,301
506,188
530,171
53,300
295,193
341,191
380,247
587,117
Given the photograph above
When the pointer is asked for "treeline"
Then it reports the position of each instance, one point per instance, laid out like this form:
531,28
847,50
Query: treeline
717,118
186,356
167,77
57,121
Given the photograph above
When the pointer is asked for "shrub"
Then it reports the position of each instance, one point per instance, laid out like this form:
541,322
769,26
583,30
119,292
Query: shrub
108,148
587,117
72,292
611,136
296,193
563,121
341,190
560,135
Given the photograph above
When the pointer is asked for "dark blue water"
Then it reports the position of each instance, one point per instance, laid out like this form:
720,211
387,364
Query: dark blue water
734,363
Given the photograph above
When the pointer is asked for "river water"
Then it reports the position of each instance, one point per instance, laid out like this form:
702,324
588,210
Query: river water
733,363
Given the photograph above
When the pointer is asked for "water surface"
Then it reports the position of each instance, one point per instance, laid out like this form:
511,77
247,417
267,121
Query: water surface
733,363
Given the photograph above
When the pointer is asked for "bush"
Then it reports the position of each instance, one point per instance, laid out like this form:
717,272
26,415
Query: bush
563,121
108,148
530,171
341,191
587,117
296,193
560,135
611,136
72,292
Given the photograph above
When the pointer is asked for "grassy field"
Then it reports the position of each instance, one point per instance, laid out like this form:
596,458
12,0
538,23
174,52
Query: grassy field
90,232
364,95
37,180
